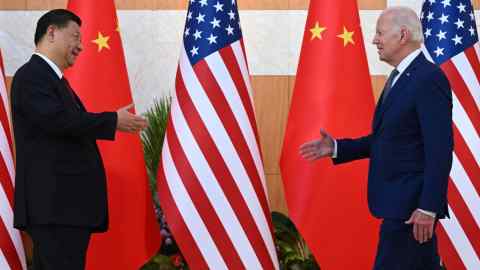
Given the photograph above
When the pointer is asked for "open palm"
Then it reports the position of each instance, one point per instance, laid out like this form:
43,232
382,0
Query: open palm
318,148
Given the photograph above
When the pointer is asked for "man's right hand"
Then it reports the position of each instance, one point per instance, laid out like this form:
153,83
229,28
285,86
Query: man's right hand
129,122
318,148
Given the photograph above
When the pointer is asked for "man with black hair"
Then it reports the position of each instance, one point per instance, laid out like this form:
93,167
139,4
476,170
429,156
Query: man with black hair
61,193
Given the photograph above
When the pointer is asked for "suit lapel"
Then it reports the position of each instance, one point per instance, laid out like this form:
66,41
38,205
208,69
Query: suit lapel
396,90
70,97
376,115
37,60
79,102
66,97
62,89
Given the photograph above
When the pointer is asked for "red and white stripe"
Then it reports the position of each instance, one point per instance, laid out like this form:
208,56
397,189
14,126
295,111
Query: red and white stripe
460,235
211,178
12,255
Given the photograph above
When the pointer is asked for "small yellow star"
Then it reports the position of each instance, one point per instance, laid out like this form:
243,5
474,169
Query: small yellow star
347,37
317,31
101,41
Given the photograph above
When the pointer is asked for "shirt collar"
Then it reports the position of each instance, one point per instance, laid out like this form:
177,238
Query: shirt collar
407,61
51,64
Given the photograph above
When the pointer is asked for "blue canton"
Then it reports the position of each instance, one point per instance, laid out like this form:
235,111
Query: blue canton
211,25
448,27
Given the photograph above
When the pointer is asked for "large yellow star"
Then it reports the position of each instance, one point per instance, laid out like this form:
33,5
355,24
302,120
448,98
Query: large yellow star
347,37
317,31
102,42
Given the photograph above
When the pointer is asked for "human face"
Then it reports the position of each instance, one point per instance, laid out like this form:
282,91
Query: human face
388,39
68,44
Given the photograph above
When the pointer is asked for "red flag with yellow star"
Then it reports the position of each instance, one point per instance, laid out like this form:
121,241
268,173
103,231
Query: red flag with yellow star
332,91
100,78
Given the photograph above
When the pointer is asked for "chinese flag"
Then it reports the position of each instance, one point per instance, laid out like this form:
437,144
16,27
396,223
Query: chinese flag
332,91
100,78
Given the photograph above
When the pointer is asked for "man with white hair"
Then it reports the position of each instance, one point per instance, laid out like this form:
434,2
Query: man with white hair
410,147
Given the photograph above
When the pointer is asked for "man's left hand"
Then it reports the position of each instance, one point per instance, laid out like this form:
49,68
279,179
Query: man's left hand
422,226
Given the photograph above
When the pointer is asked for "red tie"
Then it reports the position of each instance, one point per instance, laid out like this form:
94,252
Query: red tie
70,91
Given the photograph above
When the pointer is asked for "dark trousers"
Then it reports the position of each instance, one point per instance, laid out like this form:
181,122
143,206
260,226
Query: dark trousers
59,247
398,250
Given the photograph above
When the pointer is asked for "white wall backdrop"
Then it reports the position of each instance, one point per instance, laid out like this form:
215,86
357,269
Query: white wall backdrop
152,40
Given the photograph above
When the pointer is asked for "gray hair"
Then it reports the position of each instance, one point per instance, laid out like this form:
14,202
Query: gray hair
406,17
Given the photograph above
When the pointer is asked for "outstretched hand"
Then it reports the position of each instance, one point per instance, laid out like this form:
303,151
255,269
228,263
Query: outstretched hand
129,122
318,148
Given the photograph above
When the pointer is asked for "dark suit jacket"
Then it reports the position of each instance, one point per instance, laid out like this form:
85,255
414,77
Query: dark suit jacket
410,147
60,178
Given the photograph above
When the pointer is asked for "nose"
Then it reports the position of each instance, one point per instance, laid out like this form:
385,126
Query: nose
375,40
80,46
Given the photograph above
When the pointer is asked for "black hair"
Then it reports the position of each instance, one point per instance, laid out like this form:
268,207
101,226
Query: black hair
57,17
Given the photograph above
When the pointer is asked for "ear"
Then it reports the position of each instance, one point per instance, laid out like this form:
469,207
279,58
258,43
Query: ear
50,35
404,35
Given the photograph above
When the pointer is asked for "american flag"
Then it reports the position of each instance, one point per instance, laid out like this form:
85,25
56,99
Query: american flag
451,41
12,255
211,179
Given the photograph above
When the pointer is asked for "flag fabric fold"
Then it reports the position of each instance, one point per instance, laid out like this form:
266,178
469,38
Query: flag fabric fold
100,79
12,254
332,91
451,41
211,179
